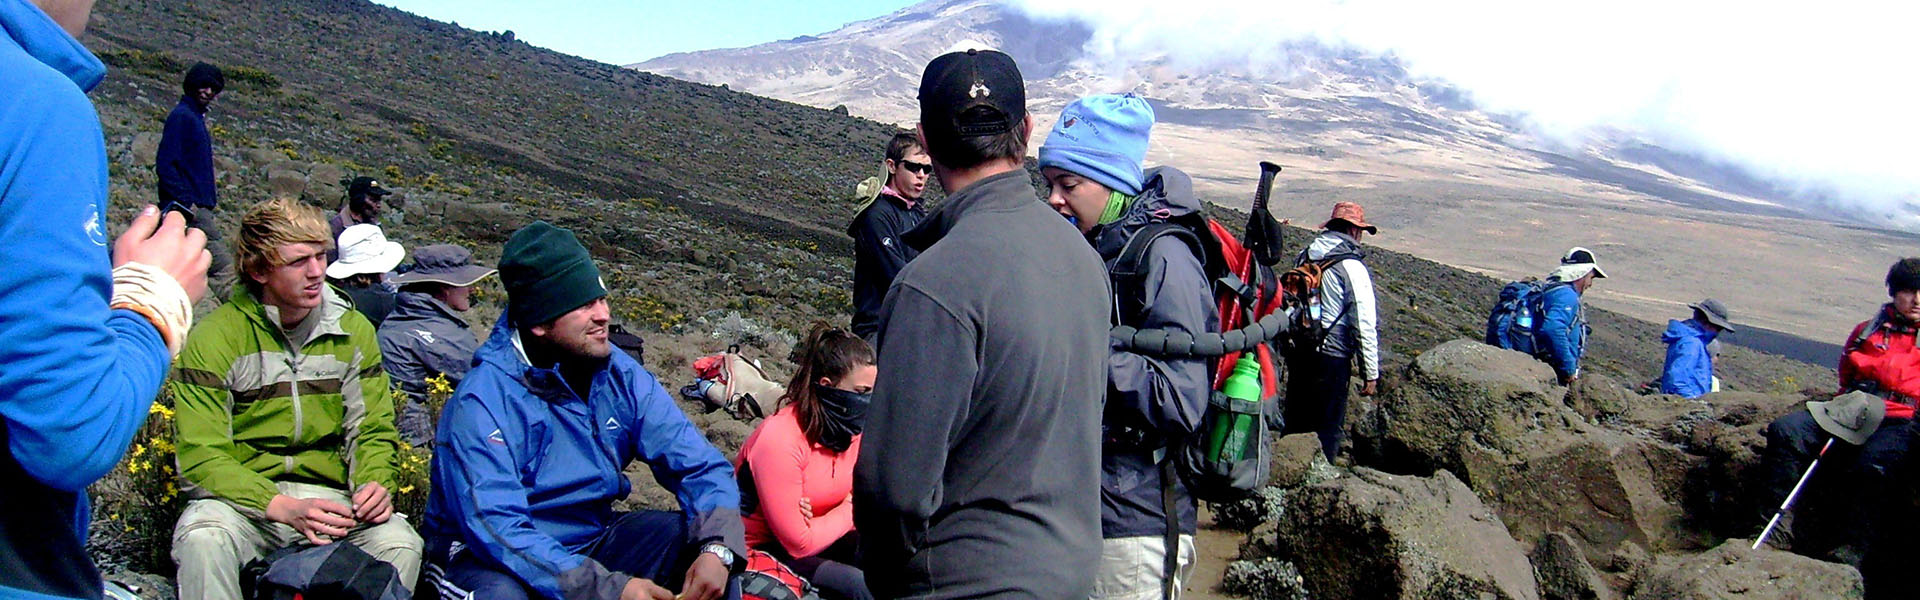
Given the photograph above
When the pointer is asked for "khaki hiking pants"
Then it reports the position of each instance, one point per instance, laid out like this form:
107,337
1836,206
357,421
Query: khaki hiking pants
1132,568
212,540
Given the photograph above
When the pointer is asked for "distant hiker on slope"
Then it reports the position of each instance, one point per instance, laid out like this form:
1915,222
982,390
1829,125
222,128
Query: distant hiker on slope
365,259
285,422
530,453
888,211
981,466
425,336
365,202
1561,331
1092,162
184,162
85,337
1344,323
797,466
1688,370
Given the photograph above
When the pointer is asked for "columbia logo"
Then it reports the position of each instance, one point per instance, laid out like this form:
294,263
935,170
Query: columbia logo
497,438
612,424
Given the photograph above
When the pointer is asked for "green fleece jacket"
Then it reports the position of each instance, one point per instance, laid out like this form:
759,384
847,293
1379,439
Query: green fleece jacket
257,404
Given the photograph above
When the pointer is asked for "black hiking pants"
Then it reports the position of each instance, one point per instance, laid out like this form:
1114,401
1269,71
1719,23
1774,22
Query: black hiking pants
1316,402
1835,509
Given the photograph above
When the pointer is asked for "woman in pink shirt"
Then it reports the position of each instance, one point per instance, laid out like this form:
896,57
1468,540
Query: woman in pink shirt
796,470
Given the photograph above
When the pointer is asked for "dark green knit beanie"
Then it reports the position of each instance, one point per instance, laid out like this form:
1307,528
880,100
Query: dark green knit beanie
547,274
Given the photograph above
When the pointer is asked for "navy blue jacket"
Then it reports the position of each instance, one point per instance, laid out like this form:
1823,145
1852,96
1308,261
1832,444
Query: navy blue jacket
185,160
878,255
525,471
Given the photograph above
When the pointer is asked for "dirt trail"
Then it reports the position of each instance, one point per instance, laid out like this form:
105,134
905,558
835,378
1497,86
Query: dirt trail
1217,547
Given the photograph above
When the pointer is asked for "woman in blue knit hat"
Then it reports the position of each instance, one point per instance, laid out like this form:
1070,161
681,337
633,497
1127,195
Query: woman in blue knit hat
1092,161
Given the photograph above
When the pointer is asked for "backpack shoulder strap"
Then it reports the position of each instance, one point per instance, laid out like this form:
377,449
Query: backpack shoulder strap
1879,320
1130,267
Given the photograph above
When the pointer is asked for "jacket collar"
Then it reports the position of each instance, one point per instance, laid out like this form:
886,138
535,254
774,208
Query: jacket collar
194,104
505,350
333,306
1168,193
45,41
996,193
418,306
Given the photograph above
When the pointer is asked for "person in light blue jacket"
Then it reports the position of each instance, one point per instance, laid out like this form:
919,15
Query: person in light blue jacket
1562,333
530,453
85,338
1688,369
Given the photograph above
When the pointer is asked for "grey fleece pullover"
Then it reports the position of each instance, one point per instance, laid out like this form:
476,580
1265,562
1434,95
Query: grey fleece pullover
979,474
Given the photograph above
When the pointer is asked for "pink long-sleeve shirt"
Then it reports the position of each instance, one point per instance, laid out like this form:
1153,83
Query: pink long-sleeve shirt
786,467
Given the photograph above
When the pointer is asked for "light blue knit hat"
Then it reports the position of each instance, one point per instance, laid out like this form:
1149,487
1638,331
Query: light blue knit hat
1103,138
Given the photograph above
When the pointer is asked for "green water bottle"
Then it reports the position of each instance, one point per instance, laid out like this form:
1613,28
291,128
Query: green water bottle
1232,432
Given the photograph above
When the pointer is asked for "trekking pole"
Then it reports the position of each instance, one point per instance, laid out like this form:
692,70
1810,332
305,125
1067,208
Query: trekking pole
1788,503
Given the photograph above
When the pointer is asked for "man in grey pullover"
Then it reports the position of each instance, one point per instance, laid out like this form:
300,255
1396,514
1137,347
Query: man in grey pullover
980,471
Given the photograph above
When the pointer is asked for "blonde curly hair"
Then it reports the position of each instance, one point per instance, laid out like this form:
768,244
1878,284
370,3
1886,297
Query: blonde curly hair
267,226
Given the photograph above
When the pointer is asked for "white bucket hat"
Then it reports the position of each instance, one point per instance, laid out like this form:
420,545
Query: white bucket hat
365,249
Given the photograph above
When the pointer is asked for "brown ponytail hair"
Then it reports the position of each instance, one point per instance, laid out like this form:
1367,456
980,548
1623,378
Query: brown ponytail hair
828,352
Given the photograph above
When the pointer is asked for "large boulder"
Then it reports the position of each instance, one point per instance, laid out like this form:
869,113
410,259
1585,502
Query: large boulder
1457,395
144,149
484,222
323,185
1378,536
1564,573
1602,486
286,179
1732,571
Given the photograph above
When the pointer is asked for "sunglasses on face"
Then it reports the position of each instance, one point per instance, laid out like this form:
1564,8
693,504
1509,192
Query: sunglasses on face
921,168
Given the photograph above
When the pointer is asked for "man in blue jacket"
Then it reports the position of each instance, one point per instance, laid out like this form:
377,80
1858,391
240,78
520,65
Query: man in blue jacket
531,449
85,338
184,162
1562,333
1689,367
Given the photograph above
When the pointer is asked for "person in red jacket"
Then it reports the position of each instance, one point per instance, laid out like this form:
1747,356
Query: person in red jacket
1879,358
796,469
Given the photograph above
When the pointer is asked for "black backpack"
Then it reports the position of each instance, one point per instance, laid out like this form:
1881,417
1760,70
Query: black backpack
336,571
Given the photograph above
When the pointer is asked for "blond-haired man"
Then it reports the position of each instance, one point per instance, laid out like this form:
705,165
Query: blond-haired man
286,430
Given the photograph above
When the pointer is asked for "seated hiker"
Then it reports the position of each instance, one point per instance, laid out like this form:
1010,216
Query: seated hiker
531,448
365,258
1092,162
285,425
1878,358
888,211
1688,370
796,470
1562,331
424,336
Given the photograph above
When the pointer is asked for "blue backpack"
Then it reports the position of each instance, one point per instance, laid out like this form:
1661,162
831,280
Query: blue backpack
1513,324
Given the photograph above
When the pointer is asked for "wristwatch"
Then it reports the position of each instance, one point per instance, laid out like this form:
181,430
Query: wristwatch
720,551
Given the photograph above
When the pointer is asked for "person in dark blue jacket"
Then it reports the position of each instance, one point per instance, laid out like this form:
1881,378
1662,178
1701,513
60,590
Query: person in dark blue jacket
1563,328
184,162
531,448
85,338
1688,370
878,253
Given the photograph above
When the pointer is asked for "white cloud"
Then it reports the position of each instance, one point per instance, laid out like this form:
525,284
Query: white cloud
1822,95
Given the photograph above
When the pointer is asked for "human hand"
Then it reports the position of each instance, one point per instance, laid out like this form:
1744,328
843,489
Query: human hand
166,242
1371,387
372,503
312,517
641,589
706,579
806,508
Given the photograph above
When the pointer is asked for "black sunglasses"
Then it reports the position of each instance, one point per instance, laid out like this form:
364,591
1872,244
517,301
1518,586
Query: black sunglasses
921,168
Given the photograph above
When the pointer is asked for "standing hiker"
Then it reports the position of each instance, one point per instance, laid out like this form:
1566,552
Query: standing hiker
878,253
1092,162
1688,370
184,161
981,465
1345,326
1561,334
85,337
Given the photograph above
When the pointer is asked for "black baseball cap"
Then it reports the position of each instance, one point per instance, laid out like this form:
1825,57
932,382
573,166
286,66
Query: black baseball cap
957,83
366,186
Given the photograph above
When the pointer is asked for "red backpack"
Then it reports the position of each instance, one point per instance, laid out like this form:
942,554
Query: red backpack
766,578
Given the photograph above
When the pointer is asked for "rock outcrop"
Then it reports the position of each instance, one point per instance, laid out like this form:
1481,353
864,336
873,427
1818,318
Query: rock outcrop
1732,572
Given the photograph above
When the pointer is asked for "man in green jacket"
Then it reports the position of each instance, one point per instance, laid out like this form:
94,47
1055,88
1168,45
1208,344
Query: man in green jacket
285,426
